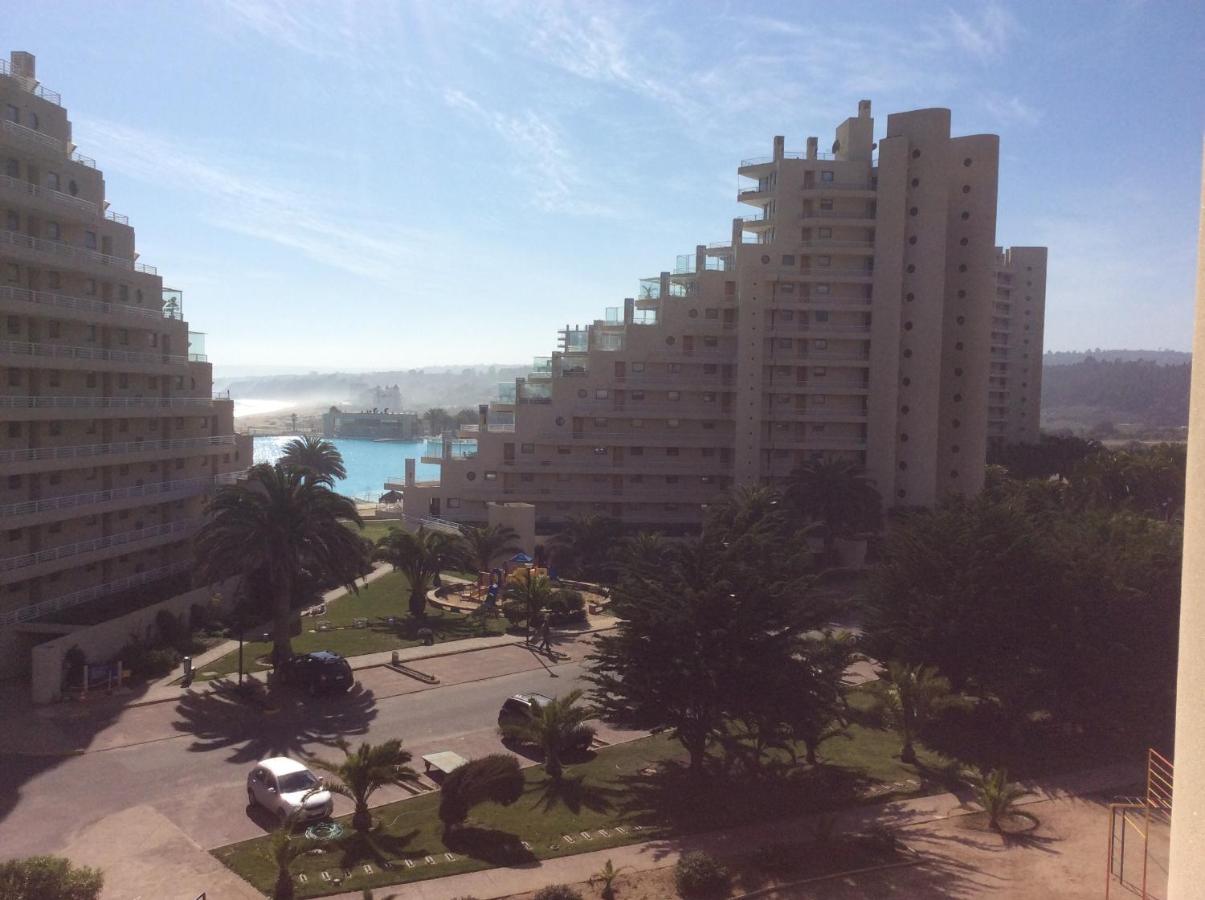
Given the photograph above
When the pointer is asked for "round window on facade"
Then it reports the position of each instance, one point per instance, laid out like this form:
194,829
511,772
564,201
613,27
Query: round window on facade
953,473
907,326
694,314
916,154
560,420
765,259
916,182
958,398
905,381
967,162
904,409
966,188
958,346
956,423
963,242
958,371
955,448
908,354
582,394
913,211
965,216
903,465
471,476
911,268
670,340
962,295
912,240
961,320
904,438
910,297
962,267
901,493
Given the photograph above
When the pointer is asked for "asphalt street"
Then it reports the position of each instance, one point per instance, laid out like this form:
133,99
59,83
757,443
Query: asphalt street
195,774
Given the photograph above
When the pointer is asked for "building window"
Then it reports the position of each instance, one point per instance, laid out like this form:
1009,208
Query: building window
12,113
637,395
90,240
825,232
14,324
711,342
637,367
91,379
123,380
53,280
711,313
55,377
601,394
14,377
14,429
53,329
672,423
827,176
600,423
709,369
826,204
638,423
527,448
820,344
53,231
823,289
672,451
709,397
636,451
673,395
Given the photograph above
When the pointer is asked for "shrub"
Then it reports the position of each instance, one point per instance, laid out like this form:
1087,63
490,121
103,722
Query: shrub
73,667
515,612
700,875
557,892
573,600
882,837
48,878
495,778
171,630
146,661
557,608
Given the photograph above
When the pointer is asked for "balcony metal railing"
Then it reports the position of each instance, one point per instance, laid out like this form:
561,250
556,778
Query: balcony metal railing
832,214
107,402
86,304
790,154
45,193
119,219
46,142
36,89
91,451
182,487
180,529
839,186
77,598
63,250
829,243
62,351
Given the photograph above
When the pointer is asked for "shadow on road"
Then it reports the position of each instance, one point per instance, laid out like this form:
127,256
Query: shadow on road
219,721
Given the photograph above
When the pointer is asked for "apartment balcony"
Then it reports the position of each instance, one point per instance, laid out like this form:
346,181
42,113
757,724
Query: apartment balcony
27,302
47,252
758,196
628,465
845,188
86,595
839,248
52,509
64,356
843,217
814,327
757,223
775,442
645,437
30,86
50,147
47,408
687,491
859,275
790,414
472,431
766,163
46,199
43,459
81,553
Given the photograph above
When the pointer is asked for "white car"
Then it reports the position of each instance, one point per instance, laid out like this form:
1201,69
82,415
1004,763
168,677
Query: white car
280,786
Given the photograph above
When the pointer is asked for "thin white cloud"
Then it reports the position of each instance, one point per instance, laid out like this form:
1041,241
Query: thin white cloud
247,202
544,160
985,35
1011,110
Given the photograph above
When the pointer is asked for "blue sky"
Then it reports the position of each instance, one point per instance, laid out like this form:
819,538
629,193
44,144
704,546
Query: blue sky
367,185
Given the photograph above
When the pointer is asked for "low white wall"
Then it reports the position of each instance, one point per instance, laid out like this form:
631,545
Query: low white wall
100,643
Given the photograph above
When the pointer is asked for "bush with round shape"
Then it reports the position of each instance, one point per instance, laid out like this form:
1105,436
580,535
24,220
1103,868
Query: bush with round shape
48,878
700,875
515,612
557,892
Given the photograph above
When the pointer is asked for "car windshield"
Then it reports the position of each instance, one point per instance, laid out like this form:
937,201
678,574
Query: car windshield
296,781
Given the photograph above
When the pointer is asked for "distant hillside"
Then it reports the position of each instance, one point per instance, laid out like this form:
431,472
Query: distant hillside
1161,357
420,389
1099,394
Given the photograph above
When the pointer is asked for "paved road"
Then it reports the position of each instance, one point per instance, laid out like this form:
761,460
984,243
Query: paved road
195,777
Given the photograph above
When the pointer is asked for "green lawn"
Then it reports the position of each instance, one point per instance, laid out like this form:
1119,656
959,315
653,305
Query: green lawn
375,530
376,602
620,787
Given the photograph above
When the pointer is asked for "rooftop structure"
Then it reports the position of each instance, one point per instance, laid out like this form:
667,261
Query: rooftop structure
110,436
849,318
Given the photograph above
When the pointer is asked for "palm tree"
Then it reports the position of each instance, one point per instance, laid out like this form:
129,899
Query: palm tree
361,773
584,544
279,524
646,548
553,727
994,793
495,778
910,697
315,456
605,877
480,547
284,848
419,555
838,494
532,590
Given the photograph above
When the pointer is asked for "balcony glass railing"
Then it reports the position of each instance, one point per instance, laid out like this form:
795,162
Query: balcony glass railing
76,598
650,289
535,393
196,346
506,392
87,304
456,449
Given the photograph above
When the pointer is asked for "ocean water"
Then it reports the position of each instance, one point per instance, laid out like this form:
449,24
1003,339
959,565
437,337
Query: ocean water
244,406
368,463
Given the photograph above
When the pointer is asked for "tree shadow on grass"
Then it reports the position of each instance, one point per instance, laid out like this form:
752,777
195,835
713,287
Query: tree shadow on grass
376,846
498,848
226,720
574,794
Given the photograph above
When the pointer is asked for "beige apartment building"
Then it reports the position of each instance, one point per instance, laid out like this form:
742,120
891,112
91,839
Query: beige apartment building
110,438
1015,378
853,316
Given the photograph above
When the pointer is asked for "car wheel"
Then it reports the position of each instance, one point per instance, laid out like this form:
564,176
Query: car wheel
250,797
282,815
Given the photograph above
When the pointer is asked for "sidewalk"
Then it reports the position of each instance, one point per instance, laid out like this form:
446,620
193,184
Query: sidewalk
502,882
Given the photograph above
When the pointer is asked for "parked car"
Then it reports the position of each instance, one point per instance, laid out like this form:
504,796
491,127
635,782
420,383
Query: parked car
281,785
321,671
521,707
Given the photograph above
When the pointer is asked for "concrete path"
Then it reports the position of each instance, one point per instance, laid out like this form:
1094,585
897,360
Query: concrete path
902,814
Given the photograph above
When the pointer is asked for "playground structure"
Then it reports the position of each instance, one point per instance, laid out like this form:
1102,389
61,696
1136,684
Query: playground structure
490,587
1141,820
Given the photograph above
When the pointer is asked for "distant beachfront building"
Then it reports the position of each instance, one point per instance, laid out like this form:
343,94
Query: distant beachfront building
857,315
110,438
377,425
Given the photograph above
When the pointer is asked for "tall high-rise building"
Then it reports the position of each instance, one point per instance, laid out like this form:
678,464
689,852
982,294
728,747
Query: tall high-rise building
1015,377
110,437
851,317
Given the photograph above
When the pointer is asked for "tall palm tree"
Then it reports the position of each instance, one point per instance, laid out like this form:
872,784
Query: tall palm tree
278,525
554,727
480,547
316,456
910,697
419,555
361,773
284,848
583,546
532,590
838,494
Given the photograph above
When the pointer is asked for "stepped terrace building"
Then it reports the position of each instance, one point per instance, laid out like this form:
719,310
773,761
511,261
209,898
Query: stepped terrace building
851,317
110,437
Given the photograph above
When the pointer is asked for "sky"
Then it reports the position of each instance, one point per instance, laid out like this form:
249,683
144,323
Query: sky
361,184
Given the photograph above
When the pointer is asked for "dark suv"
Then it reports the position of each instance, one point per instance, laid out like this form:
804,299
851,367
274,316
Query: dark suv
320,671
521,707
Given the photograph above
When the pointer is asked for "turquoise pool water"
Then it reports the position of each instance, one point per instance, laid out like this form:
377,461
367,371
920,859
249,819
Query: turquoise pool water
368,463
